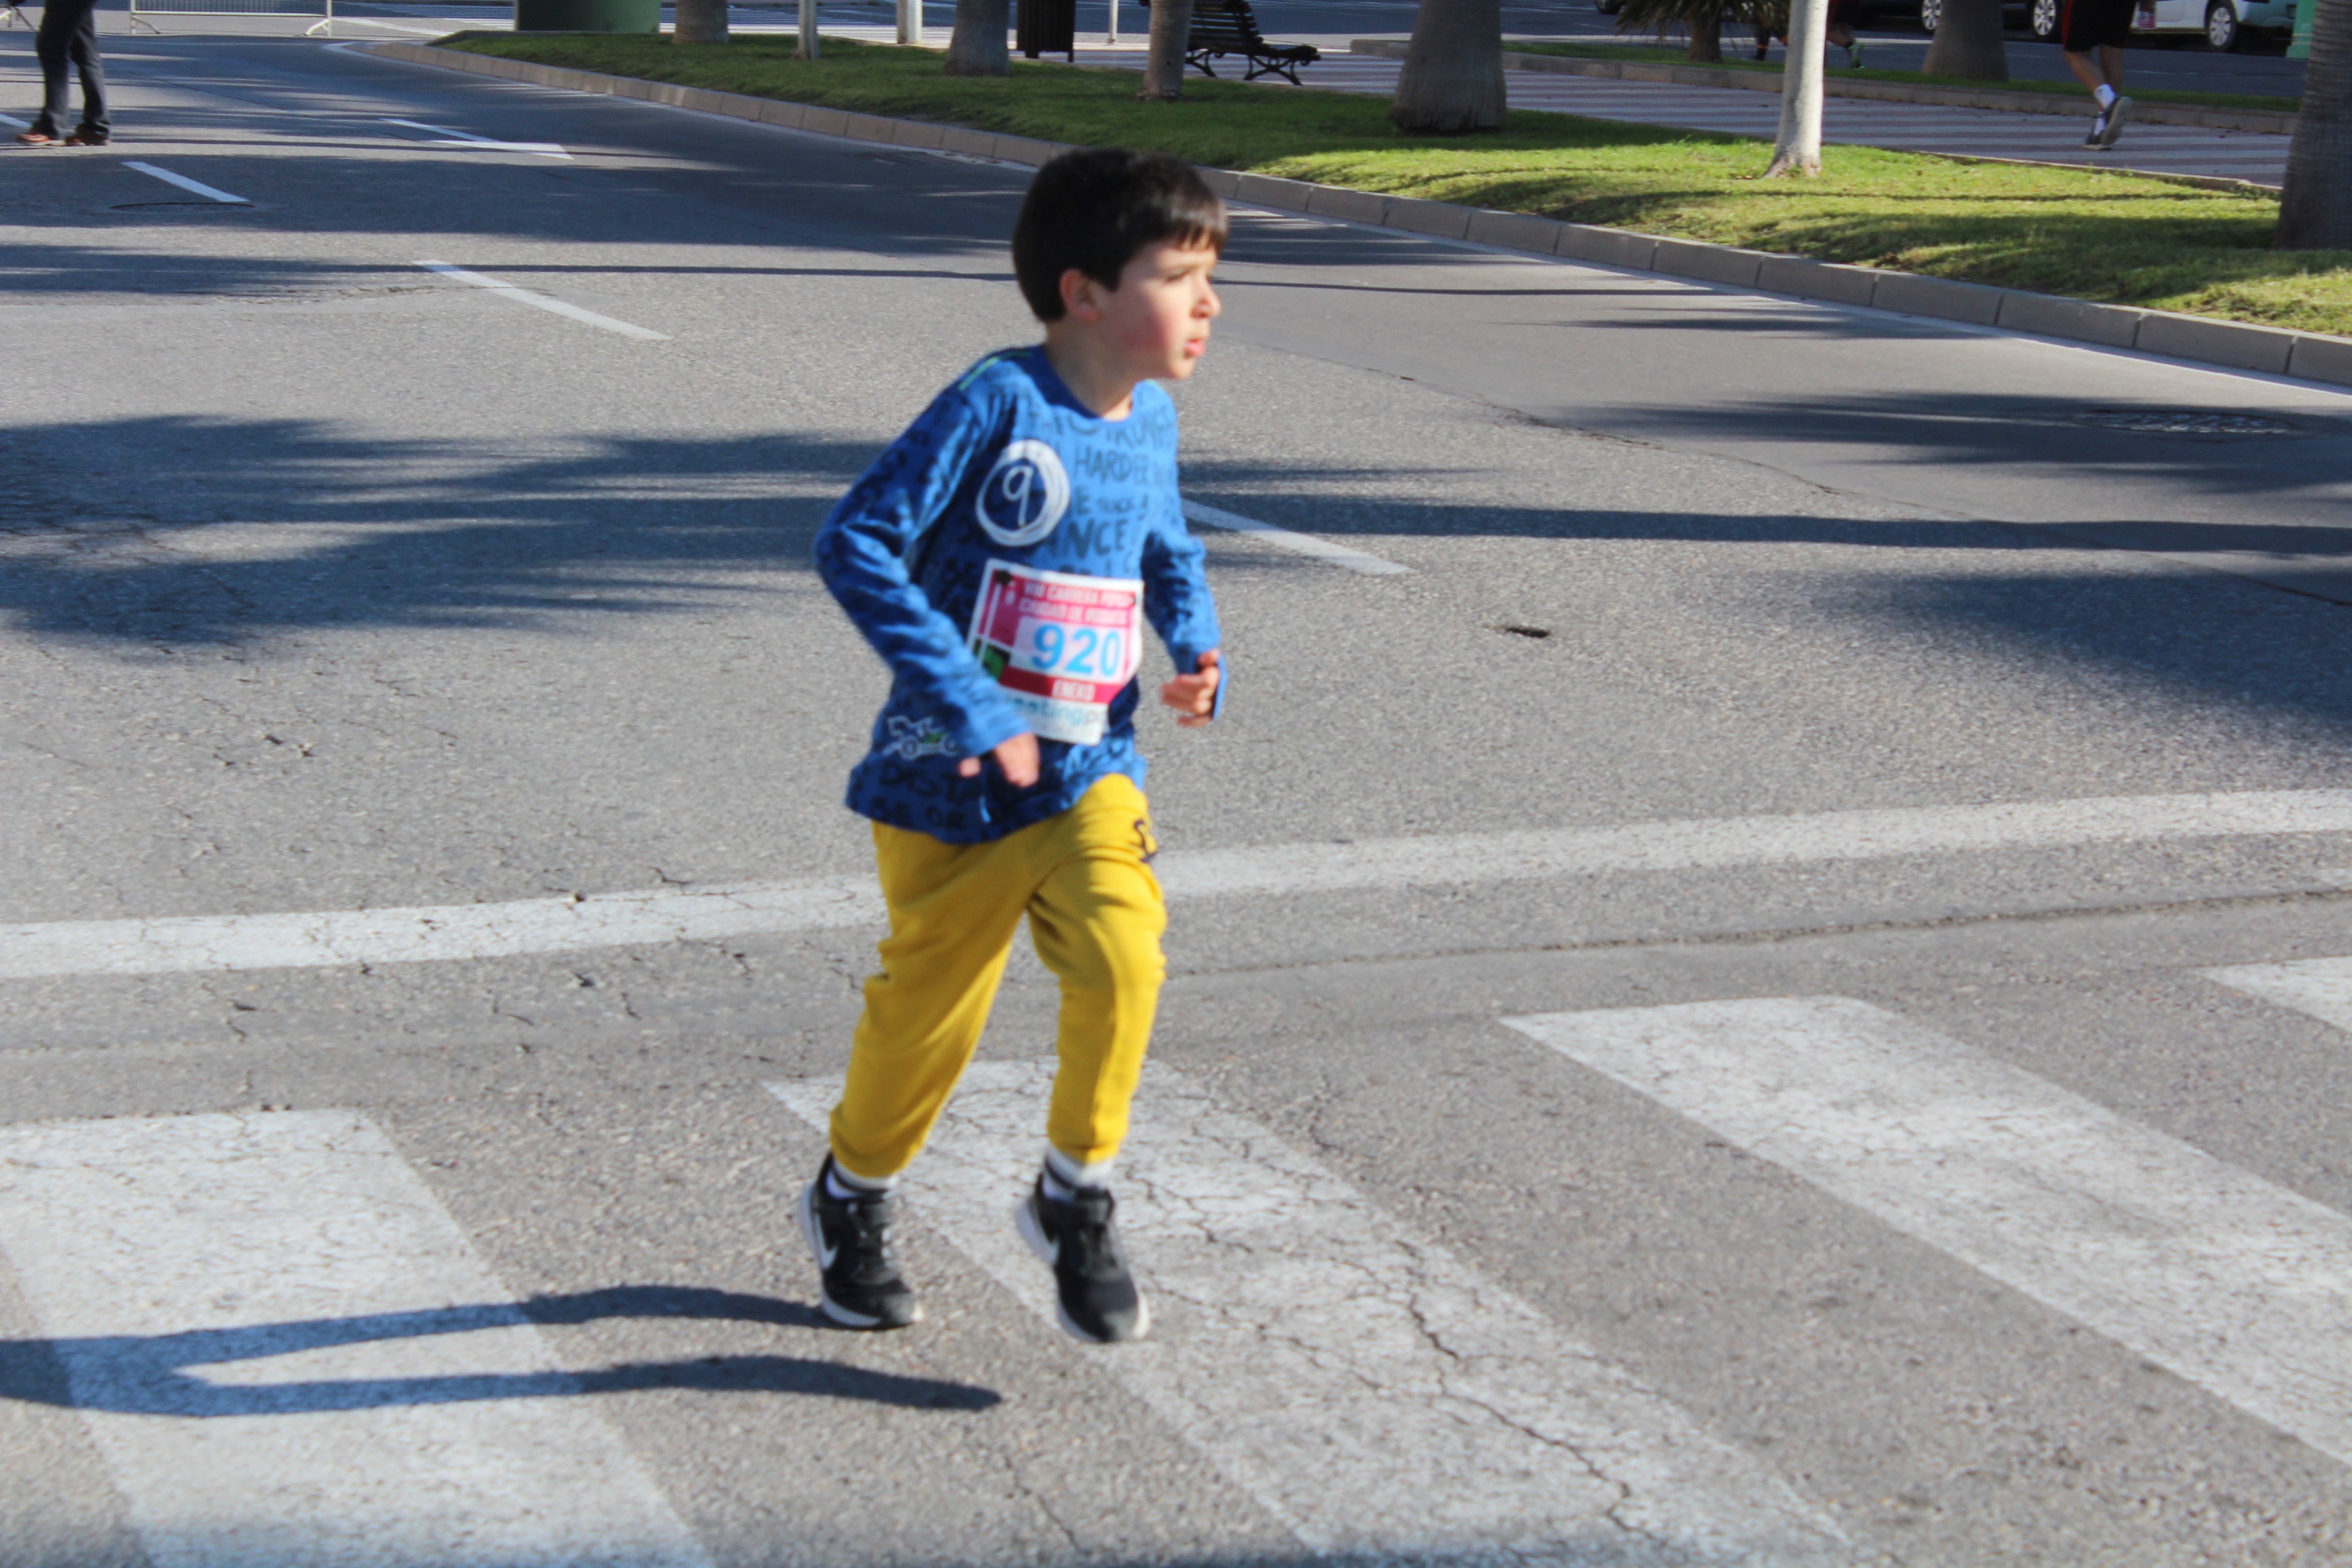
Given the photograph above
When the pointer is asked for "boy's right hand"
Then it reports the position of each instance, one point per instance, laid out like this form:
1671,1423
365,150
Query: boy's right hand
1017,758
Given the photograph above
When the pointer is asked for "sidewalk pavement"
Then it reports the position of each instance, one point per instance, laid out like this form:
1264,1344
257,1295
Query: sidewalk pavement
2256,157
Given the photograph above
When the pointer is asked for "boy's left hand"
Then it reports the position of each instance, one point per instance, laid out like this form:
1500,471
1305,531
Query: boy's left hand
1194,697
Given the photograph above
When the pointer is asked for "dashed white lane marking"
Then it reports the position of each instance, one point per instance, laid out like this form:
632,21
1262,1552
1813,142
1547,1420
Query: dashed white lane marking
482,143
456,932
1298,543
2234,1284
2319,986
1381,1400
289,1355
545,302
195,186
12,120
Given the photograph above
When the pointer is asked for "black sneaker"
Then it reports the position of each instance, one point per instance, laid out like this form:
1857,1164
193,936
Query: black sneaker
2111,125
2099,136
1098,1301
850,1239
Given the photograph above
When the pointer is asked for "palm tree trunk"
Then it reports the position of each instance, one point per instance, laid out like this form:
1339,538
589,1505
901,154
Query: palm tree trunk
1163,67
808,45
701,22
2315,206
1705,46
1968,42
1452,76
977,47
1798,150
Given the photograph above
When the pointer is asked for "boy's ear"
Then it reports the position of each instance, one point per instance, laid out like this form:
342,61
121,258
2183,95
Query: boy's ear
1081,295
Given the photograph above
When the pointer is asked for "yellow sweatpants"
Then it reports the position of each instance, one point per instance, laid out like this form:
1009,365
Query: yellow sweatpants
1095,915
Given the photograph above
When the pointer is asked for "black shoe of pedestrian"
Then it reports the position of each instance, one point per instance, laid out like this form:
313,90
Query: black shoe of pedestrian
32,138
850,1239
2111,124
1097,1298
86,139
2099,136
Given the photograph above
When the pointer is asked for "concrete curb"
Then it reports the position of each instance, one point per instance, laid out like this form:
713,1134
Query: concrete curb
2199,339
2275,121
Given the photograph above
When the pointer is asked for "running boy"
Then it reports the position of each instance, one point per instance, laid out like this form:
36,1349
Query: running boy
1002,557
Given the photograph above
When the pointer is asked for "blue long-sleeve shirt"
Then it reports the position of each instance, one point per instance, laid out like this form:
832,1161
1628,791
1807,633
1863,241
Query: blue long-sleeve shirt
1009,488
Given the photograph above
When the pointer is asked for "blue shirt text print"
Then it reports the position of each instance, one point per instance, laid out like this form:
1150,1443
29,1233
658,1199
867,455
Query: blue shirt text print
991,557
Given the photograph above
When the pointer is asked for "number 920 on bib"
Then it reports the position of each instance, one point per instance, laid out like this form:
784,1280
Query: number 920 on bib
1061,646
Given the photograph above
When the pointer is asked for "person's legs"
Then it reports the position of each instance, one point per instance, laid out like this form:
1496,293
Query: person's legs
2091,34
53,44
953,910
1843,15
83,47
2111,65
1096,918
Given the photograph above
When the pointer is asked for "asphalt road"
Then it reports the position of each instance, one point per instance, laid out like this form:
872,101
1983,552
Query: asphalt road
1742,1008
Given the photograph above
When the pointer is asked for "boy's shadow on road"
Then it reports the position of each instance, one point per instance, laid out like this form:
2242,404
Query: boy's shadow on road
153,1375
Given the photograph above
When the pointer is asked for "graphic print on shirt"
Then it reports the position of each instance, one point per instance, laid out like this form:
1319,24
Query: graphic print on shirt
1062,646
913,738
1025,495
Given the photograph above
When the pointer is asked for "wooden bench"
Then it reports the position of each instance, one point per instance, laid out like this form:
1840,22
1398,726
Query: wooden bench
1222,27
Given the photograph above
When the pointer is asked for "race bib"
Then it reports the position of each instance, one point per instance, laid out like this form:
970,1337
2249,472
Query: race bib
1061,646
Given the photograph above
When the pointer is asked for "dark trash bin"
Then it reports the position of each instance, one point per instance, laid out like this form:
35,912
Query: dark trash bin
1047,26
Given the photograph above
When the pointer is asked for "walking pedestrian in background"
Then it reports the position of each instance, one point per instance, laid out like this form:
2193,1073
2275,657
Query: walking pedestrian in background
2093,34
68,35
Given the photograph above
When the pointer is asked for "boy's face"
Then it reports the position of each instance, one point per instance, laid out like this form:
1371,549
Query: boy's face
1156,322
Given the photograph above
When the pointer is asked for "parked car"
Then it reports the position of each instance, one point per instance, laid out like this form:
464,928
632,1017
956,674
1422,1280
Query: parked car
2224,23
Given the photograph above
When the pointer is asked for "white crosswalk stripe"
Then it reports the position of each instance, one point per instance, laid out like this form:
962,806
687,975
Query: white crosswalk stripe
2227,1280
1370,1391
2319,986
289,1355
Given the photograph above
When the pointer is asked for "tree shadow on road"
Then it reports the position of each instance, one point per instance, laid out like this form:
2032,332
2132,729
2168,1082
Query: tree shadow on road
271,525
270,528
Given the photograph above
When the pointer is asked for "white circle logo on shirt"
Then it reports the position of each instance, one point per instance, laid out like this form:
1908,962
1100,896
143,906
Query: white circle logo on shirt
1025,495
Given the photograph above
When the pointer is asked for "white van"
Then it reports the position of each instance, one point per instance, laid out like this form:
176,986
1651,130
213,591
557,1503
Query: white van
2224,23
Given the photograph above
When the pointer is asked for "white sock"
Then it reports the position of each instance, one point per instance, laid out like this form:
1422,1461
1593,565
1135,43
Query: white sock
2105,94
842,1186
1064,1176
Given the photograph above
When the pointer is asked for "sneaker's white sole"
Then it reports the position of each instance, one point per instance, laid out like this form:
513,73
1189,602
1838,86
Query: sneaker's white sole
814,1238
1024,1220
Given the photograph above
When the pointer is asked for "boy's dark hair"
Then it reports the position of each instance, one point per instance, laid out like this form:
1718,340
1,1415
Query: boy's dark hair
1096,210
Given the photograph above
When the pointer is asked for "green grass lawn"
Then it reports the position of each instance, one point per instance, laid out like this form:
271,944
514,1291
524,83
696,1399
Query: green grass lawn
1736,40
2093,235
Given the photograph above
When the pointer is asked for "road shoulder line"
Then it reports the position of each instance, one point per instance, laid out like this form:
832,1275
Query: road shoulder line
578,922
